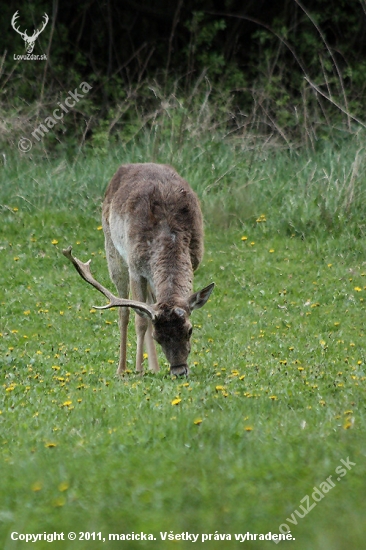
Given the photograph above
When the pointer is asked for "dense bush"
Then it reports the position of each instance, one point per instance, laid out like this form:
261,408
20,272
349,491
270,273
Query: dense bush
280,68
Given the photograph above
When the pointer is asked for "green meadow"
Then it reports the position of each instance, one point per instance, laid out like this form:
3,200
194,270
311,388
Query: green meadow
274,410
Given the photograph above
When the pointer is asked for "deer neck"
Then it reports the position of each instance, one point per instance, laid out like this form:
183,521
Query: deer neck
172,273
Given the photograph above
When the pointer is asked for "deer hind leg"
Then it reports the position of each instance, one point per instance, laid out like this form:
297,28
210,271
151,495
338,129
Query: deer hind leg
118,272
149,342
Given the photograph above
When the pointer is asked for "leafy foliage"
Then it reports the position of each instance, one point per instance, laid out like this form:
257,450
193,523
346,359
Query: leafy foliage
297,71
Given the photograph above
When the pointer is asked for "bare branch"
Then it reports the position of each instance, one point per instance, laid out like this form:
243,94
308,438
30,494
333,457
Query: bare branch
317,89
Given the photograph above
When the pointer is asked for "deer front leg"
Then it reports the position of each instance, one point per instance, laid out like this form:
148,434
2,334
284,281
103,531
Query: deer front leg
151,349
138,287
141,326
124,314
118,272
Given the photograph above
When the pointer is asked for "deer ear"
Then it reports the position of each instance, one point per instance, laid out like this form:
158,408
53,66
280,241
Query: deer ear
198,299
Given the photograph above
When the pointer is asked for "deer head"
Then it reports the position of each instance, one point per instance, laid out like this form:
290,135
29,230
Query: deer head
29,40
171,326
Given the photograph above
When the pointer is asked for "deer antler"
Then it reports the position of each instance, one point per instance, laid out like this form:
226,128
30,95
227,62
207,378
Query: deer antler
13,21
37,33
84,271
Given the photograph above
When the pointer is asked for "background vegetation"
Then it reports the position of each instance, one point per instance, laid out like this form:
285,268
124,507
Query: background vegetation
260,107
288,70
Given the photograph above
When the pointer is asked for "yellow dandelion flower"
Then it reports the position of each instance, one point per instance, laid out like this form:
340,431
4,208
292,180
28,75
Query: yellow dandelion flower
248,428
271,250
58,502
220,388
357,289
66,403
99,228
176,401
54,241
26,312
15,209
273,397
63,486
244,238
197,421
50,445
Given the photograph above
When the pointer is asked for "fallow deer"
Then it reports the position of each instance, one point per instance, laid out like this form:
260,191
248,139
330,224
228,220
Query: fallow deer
153,232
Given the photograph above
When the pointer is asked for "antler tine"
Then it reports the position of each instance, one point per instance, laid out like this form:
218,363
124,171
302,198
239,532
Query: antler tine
38,32
84,271
13,21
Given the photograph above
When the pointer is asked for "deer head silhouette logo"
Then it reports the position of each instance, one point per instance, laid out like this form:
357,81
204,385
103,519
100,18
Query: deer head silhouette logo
29,40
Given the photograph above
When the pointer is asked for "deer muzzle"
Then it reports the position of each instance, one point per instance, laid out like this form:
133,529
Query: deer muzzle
179,370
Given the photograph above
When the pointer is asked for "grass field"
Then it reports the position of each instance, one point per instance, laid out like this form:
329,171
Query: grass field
276,398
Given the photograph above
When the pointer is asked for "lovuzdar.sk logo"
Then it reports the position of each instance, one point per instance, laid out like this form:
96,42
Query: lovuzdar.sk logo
29,40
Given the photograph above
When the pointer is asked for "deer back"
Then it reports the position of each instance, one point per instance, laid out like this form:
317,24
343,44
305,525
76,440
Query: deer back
154,219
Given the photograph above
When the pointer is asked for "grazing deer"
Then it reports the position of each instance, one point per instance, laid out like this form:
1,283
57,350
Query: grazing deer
153,231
